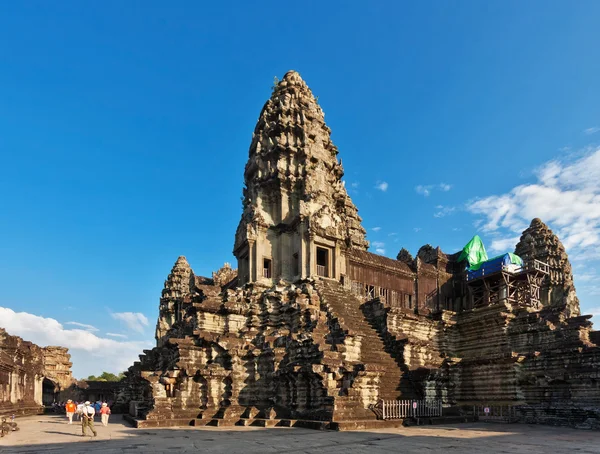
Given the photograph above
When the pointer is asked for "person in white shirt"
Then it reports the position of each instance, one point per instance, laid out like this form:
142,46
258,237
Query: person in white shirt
87,419
79,410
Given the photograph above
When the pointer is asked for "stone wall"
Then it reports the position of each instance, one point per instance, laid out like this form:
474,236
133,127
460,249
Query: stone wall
27,371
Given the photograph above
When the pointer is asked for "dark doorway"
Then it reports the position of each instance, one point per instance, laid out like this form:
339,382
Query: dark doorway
49,391
267,268
322,262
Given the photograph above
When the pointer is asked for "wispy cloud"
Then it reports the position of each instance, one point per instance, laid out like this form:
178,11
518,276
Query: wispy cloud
565,194
423,190
443,211
134,320
90,353
417,229
427,189
392,234
122,336
355,184
377,244
504,244
83,325
592,130
380,251
376,229
382,186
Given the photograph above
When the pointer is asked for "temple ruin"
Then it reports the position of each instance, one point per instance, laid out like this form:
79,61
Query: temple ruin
313,329
31,377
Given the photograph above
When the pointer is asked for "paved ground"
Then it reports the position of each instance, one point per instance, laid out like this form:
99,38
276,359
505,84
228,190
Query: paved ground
51,434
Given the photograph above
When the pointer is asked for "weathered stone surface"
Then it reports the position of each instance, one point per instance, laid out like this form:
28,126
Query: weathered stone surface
558,290
315,327
31,376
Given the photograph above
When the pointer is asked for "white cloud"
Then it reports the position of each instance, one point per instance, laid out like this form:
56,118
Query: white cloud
382,186
426,189
392,234
504,244
380,251
355,185
83,325
592,130
122,336
376,229
134,320
443,211
90,353
423,190
378,244
417,229
565,195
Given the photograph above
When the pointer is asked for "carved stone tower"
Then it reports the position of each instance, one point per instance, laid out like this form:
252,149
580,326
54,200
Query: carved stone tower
298,219
539,242
177,286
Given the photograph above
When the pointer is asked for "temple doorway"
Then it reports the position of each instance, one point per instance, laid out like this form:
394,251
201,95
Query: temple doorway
49,392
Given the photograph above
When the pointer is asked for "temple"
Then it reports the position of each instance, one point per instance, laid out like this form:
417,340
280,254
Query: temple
313,329
31,377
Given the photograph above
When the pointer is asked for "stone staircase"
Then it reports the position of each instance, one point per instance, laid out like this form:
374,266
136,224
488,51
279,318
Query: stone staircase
380,362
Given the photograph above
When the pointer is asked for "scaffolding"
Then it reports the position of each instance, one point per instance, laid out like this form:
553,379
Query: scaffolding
507,284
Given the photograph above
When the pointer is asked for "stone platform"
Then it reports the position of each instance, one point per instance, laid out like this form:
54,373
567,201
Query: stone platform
261,422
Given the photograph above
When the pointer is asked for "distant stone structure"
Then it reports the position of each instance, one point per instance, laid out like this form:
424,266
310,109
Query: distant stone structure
31,376
315,330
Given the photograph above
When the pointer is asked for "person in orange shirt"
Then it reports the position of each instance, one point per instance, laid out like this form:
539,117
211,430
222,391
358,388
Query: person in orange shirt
70,410
104,413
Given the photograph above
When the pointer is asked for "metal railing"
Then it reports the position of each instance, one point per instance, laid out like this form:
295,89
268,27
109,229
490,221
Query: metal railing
400,409
495,413
322,271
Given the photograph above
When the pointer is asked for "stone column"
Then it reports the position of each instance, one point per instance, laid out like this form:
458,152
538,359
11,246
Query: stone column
252,261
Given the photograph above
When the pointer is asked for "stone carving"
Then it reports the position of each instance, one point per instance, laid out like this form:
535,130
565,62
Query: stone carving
293,196
316,329
224,276
538,242
31,376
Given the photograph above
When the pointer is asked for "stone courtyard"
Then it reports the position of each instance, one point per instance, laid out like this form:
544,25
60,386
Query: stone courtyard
50,434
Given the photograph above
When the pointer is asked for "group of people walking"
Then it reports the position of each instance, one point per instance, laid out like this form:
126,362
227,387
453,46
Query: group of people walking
86,412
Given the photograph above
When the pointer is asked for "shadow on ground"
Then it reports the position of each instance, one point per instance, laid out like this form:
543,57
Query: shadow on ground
467,438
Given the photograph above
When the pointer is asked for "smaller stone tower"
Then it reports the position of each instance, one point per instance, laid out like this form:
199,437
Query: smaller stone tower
558,290
177,286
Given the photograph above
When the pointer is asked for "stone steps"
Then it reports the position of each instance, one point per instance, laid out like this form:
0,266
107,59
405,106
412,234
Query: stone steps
345,308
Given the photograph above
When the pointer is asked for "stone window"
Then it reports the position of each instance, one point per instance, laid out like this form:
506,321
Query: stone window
267,268
322,262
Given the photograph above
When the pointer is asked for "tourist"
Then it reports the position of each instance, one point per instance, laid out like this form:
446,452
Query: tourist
104,414
87,418
79,410
97,407
70,410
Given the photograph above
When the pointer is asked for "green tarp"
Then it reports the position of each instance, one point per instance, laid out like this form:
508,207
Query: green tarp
474,252
507,259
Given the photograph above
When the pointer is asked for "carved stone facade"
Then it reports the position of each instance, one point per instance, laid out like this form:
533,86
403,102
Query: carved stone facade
298,220
31,376
315,328
538,242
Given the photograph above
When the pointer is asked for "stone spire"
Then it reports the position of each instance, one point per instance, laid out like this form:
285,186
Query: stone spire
540,243
177,286
293,182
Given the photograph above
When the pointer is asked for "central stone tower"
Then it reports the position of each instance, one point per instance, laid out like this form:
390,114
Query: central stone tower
298,220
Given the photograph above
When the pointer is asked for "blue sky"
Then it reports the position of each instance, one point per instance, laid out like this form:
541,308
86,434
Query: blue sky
125,129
